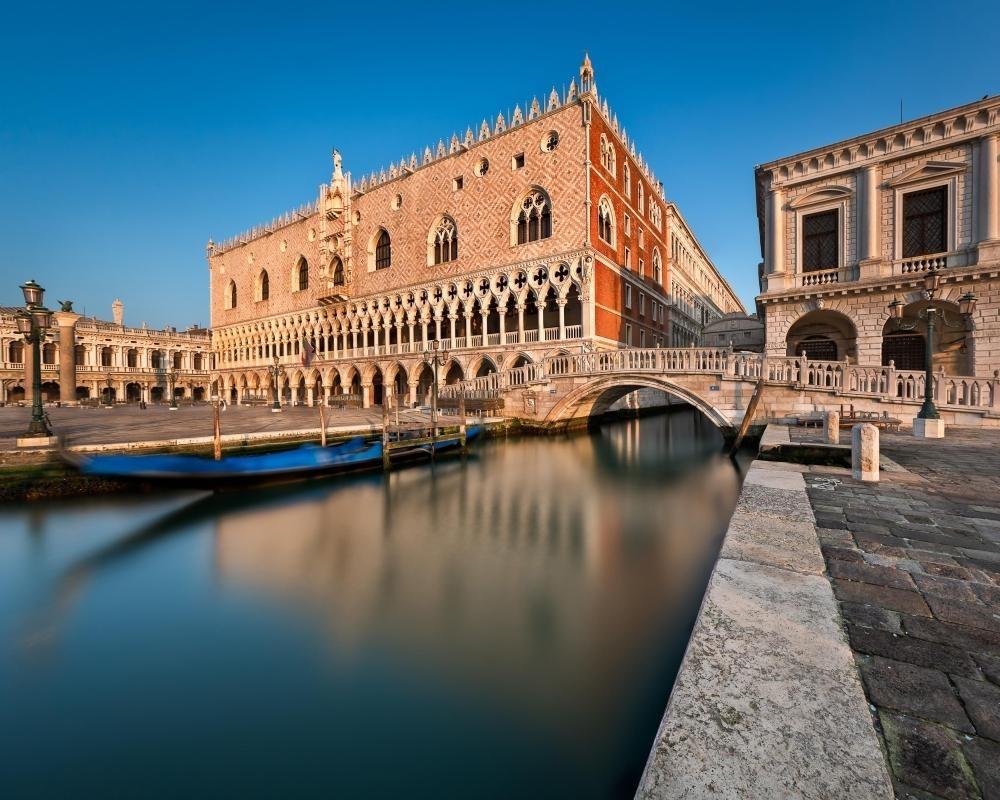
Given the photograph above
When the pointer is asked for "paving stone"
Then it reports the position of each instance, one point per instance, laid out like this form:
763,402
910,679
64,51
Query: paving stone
782,503
842,553
985,759
881,596
973,615
946,569
982,704
953,589
988,594
927,756
990,665
869,529
839,537
866,616
912,650
919,691
975,640
763,539
867,573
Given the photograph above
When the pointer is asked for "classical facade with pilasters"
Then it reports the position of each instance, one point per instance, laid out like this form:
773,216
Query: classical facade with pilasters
848,228
85,358
543,232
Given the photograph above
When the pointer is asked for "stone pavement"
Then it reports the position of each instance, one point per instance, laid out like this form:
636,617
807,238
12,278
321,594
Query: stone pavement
130,424
915,565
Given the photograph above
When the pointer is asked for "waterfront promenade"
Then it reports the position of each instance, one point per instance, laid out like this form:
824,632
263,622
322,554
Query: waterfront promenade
130,424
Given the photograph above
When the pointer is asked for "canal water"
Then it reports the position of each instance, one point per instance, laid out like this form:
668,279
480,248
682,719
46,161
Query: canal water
507,625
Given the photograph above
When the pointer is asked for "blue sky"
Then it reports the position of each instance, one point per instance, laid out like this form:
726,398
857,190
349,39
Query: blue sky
131,133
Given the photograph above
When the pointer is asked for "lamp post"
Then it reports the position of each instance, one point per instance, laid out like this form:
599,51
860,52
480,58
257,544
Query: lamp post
436,358
32,323
966,306
171,381
109,382
275,371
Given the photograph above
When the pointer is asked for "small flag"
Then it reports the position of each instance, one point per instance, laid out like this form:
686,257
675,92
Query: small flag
307,352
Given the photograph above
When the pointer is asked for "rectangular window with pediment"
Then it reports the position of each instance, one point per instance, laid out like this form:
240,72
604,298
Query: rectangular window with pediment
820,235
925,222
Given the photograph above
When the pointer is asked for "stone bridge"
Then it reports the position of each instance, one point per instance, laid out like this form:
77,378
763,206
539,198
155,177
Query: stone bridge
565,390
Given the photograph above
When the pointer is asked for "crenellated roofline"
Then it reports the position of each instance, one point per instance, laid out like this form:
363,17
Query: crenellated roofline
407,165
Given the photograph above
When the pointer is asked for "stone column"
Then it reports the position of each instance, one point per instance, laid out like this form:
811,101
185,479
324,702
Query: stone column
66,320
453,318
486,326
987,189
831,427
503,325
413,395
29,372
869,221
468,328
540,308
561,302
366,400
774,242
520,322
864,452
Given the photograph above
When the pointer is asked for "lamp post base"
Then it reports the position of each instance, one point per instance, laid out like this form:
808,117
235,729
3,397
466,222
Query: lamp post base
37,441
928,428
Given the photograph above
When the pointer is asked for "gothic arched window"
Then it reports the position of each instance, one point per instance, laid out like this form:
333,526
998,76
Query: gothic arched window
657,270
231,294
302,274
606,221
445,241
607,154
383,250
338,272
534,218
263,286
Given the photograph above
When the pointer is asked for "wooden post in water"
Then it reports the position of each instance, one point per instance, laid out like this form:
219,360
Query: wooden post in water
385,435
461,419
748,415
216,431
322,425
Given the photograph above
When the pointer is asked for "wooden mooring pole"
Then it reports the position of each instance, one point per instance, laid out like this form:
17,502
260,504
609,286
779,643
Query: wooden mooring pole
386,462
748,415
322,425
461,420
216,432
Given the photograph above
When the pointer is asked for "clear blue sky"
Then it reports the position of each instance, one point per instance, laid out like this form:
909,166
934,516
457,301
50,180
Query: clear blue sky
131,133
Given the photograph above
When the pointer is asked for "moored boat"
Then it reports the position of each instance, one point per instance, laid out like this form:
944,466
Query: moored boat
299,463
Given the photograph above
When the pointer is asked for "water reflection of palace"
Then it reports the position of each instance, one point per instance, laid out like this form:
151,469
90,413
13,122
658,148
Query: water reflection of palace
534,582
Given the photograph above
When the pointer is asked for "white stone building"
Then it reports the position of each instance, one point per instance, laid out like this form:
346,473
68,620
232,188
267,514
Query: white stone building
847,228
108,360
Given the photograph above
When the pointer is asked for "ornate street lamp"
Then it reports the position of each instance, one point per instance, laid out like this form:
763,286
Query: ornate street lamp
109,382
435,359
966,305
32,324
275,371
171,381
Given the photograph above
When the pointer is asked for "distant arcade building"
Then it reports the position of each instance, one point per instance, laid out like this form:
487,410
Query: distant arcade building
541,233
849,227
89,359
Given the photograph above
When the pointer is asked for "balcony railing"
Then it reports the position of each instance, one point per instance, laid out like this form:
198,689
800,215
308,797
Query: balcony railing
821,277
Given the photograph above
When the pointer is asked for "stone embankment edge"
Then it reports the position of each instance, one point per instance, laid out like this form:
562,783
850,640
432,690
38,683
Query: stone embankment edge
768,701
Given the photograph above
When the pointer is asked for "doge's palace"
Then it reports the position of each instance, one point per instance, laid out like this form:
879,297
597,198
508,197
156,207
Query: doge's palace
543,232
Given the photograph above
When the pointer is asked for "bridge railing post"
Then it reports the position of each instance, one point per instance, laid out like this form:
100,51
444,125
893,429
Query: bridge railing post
802,378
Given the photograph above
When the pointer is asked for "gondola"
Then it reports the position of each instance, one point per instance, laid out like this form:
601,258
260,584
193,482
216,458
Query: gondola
300,463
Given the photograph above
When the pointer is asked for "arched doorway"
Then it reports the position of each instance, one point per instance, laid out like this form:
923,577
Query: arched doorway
486,367
133,393
156,394
15,394
82,393
378,392
108,395
454,373
904,341
425,380
400,387
356,384
823,335
50,392
199,394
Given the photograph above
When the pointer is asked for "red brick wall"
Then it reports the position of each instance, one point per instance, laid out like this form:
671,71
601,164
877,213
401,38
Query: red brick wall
612,316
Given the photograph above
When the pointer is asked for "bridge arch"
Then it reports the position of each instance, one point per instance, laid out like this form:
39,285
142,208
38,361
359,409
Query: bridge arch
597,396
